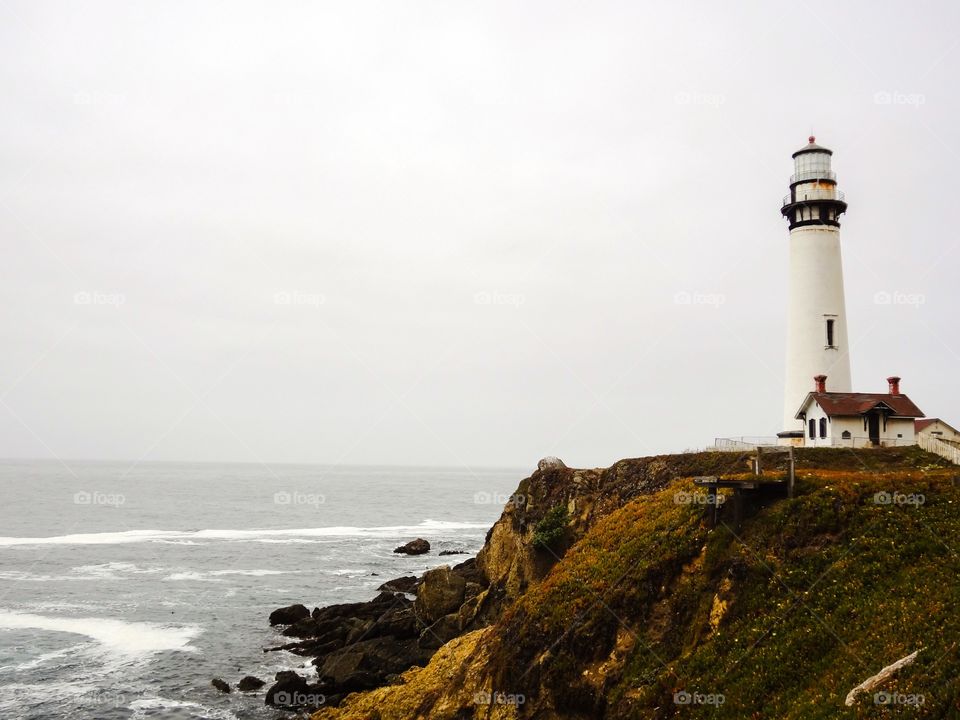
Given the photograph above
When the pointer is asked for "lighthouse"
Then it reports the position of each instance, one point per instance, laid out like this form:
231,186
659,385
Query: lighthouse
817,335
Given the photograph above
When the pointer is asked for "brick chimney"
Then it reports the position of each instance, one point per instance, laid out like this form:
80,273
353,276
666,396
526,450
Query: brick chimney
820,383
894,383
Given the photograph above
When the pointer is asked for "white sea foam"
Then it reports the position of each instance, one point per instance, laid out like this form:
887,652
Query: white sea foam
17,696
130,639
213,575
427,527
47,657
113,570
104,538
157,707
190,575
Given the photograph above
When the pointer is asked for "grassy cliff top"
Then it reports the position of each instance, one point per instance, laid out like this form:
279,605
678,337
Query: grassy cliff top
650,607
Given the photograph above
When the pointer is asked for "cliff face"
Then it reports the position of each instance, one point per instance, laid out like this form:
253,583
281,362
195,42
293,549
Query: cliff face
642,610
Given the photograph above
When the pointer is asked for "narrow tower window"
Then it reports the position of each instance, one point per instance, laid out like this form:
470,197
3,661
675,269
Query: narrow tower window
830,322
823,427
813,429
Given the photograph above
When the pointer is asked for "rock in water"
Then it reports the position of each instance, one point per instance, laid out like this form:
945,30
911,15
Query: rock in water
452,552
289,615
220,685
250,683
414,547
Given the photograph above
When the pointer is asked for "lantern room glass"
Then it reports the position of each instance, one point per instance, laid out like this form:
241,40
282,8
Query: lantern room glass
812,164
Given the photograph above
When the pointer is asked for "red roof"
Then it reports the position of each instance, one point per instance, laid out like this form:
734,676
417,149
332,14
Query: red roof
835,403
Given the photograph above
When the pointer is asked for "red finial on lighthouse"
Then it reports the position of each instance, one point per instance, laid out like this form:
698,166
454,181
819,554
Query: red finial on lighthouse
811,139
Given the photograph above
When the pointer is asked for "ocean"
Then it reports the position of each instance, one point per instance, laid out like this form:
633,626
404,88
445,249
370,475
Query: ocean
124,590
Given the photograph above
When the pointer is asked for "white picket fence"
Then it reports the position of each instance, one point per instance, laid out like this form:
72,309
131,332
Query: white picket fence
939,447
748,443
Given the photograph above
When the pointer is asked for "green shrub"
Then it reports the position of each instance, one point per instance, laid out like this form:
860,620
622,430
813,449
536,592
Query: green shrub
551,530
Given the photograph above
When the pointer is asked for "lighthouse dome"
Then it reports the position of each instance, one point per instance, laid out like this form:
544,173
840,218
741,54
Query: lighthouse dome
812,147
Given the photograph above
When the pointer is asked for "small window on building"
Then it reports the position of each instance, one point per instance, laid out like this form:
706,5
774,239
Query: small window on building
899,434
846,435
823,427
830,338
813,429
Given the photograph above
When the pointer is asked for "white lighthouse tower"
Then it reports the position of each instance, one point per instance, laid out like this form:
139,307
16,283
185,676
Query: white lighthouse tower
817,331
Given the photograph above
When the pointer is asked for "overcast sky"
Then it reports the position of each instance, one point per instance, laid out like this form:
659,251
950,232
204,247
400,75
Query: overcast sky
455,233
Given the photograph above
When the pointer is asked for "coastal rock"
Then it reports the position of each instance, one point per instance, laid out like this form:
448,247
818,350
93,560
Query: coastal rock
289,615
378,657
220,685
405,584
440,632
441,592
364,645
339,622
470,571
293,691
452,552
414,547
250,684
551,463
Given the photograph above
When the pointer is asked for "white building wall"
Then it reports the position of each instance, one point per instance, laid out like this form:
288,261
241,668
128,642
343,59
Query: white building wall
899,431
941,430
816,295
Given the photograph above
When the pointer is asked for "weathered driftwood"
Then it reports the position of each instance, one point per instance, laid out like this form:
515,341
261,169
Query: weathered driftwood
880,678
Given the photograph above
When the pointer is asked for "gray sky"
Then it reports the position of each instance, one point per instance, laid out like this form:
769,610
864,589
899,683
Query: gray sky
452,233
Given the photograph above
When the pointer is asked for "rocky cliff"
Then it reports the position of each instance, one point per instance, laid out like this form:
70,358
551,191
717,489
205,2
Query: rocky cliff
609,594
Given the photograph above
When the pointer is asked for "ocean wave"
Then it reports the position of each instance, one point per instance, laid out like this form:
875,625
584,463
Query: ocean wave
130,639
427,527
110,570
